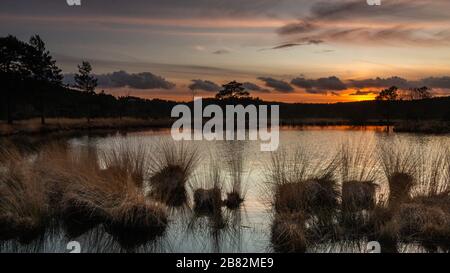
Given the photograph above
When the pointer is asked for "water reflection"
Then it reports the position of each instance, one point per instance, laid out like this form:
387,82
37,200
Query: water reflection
244,229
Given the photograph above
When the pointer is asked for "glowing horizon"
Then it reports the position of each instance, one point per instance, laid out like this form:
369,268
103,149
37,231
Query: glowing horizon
287,50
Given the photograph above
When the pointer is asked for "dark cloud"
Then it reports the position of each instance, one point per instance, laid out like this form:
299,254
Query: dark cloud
143,80
325,51
363,93
431,82
381,82
295,28
221,51
208,86
393,23
254,87
436,82
278,85
288,45
321,85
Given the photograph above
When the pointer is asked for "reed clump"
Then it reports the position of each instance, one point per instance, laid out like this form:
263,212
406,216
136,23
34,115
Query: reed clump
127,161
92,195
207,189
299,185
136,220
170,168
359,173
418,202
399,163
24,208
423,223
288,233
207,200
236,186
358,195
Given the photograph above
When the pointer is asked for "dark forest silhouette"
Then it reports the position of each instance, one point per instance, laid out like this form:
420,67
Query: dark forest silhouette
32,87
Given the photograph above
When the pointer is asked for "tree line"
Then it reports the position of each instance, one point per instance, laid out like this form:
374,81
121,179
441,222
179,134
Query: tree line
32,86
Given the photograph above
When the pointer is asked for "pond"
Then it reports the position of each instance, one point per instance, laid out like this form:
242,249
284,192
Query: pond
247,229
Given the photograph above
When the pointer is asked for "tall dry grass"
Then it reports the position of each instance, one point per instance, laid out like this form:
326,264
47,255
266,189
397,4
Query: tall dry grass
419,201
236,186
127,160
399,161
170,167
296,182
84,193
24,208
207,186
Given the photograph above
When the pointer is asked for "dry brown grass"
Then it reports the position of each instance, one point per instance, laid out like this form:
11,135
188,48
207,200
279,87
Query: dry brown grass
170,168
299,184
236,186
399,162
207,189
419,201
126,161
423,223
358,169
288,233
358,195
83,195
34,126
24,207
136,220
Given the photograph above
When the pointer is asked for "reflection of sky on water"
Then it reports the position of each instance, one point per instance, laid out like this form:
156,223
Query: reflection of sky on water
248,229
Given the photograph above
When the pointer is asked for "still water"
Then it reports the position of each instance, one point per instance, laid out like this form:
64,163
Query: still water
247,229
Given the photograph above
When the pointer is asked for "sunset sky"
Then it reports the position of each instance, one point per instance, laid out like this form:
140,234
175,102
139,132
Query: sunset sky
286,50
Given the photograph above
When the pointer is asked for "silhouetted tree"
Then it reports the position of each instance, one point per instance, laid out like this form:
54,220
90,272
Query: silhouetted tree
86,82
12,72
390,94
44,73
232,90
386,98
420,93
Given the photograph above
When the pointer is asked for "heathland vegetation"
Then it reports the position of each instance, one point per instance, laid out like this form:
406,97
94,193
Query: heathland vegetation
388,191
392,193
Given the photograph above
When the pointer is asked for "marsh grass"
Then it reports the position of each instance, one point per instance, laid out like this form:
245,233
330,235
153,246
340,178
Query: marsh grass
305,198
236,183
136,220
126,161
288,233
85,194
299,184
170,167
419,194
358,172
207,189
399,162
24,210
